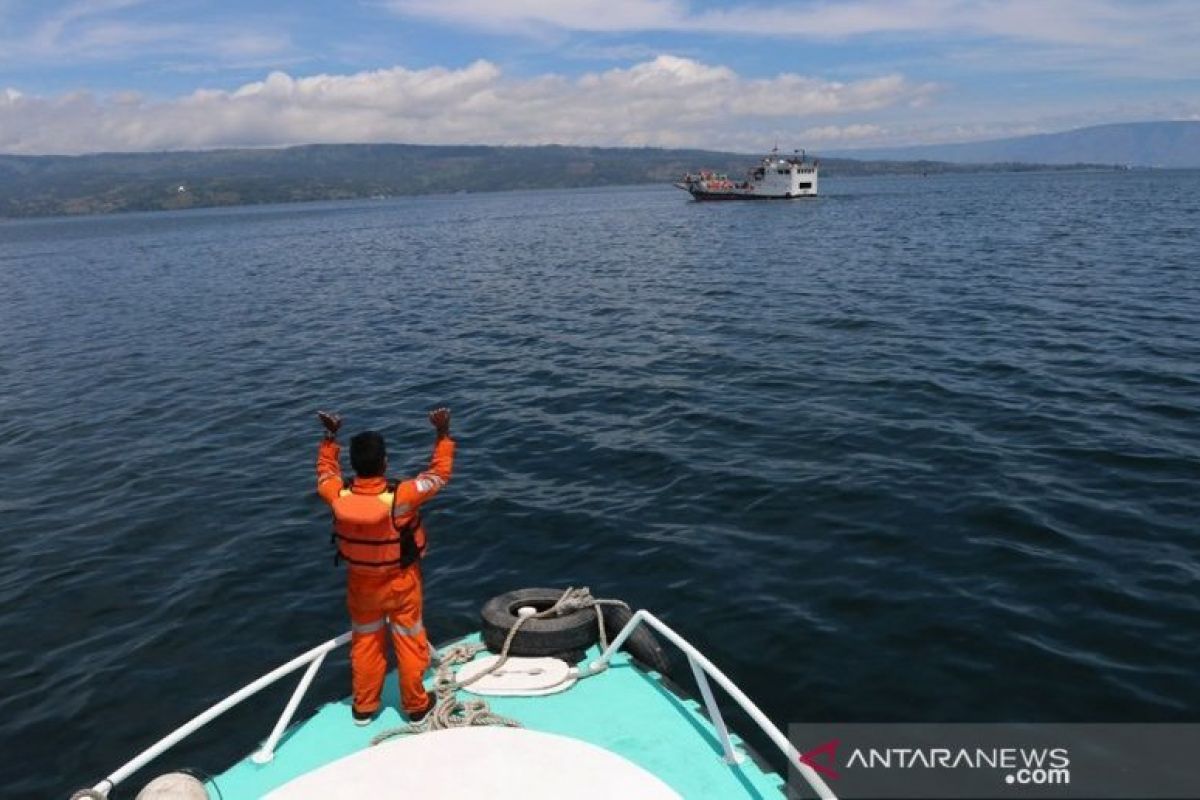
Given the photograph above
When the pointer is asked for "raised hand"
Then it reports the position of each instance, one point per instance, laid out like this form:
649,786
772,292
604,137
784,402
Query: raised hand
331,421
439,418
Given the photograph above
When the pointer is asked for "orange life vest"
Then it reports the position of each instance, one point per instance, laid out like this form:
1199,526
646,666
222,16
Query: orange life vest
366,536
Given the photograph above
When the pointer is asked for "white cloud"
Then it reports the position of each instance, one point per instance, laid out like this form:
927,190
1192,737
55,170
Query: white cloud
615,52
1002,123
1080,30
519,15
101,31
841,135
64,30
667,101
1090,21
54,26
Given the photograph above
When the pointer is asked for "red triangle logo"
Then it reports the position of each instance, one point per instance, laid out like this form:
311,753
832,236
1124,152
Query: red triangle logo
823,759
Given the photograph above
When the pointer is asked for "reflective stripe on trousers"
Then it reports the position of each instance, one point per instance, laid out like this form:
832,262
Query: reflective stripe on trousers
377,624
368,627
400,630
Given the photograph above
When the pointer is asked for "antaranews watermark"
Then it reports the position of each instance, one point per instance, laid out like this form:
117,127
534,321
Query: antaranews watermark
980,761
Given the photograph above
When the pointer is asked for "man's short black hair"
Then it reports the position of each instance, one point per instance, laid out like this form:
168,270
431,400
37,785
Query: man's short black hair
368,454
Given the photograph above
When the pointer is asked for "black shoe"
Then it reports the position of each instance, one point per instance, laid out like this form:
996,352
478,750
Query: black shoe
416,716
362,717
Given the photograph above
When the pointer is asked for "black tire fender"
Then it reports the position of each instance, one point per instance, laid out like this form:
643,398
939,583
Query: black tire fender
574,631
642,644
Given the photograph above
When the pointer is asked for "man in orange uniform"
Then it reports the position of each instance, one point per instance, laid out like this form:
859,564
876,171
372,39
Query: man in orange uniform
380,536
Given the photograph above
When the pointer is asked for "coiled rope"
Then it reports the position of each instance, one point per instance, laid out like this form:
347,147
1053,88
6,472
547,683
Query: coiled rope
449,711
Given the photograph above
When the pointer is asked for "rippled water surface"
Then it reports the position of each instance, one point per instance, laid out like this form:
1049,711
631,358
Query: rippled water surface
921,449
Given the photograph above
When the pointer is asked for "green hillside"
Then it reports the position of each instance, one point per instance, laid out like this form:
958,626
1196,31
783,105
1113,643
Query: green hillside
105,183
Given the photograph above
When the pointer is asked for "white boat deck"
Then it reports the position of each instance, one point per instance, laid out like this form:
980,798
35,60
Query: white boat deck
497,763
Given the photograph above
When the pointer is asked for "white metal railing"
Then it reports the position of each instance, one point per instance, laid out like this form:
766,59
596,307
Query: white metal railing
313,658
703,669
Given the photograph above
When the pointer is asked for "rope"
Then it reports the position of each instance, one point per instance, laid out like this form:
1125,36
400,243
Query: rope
571,600
450,712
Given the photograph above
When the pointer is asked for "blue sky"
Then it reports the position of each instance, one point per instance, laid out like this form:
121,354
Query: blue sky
93,75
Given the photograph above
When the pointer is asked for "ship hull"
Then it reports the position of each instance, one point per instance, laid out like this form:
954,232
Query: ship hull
705,197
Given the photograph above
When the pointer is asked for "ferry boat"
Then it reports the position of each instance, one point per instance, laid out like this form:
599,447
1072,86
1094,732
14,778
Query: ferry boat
774,178
611,725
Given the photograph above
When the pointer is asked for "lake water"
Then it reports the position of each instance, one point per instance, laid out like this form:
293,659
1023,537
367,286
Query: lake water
921,449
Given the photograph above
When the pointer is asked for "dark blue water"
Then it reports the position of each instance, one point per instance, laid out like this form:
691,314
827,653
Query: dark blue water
921,449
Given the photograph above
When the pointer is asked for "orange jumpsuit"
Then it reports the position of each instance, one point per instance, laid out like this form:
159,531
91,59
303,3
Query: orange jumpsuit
383,598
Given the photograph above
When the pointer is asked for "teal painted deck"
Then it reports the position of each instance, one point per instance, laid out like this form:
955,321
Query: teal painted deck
624,710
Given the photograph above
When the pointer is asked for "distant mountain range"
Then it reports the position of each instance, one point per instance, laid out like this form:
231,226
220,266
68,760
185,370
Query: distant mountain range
1139,144
105,183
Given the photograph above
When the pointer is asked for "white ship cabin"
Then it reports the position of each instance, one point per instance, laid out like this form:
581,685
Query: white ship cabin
785,177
